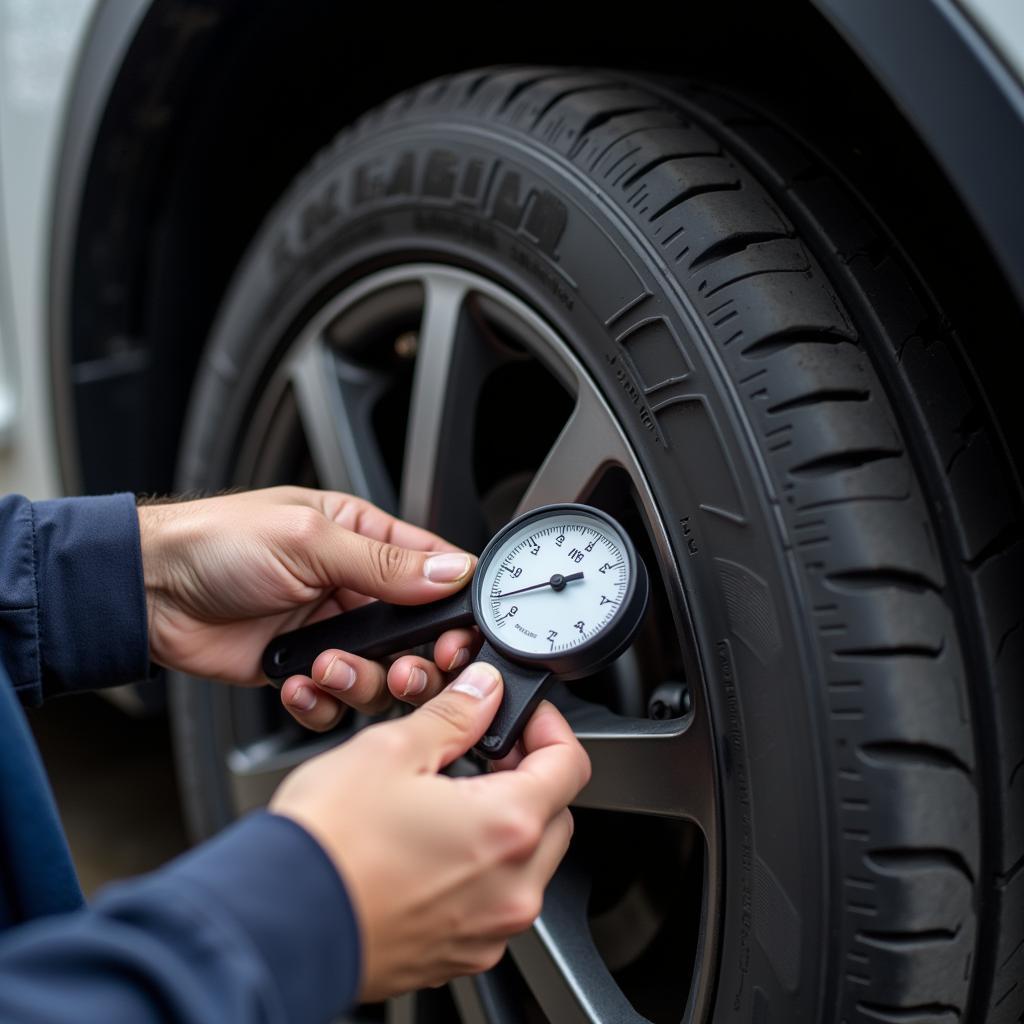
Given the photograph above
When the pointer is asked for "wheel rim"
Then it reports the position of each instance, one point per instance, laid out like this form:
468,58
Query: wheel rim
447,332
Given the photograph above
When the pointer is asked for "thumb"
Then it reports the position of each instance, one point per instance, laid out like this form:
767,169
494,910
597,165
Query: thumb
446,727
390,572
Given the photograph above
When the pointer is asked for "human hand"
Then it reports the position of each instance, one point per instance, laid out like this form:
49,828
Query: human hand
341,680
441,870
225,575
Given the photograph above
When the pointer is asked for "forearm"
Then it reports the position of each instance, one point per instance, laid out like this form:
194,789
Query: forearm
254,926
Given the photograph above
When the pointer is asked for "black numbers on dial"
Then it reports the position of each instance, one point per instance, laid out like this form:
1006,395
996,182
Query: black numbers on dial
559,549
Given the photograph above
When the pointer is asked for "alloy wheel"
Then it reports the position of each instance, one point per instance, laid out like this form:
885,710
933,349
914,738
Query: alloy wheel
441,396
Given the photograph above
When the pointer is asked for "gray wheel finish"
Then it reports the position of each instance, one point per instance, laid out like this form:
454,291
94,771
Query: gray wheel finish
662,768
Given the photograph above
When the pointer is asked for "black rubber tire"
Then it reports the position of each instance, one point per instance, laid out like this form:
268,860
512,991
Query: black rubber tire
852,550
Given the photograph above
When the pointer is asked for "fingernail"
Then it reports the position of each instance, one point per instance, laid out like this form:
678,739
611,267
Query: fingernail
477,681
303,699
416,682
446,568
460,659
339,675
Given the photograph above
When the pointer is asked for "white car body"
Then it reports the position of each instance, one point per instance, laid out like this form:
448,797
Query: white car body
38,43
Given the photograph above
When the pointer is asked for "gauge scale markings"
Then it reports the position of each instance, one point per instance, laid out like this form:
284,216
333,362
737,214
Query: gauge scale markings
574,542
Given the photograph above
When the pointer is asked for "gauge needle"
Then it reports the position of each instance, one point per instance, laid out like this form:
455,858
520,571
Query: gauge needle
557,582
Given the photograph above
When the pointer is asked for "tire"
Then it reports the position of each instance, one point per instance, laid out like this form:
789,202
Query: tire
841,523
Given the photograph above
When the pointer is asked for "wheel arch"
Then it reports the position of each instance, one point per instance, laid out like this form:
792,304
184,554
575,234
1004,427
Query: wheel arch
182,130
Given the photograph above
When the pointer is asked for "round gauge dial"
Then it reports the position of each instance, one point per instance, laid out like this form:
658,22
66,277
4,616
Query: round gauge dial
556,582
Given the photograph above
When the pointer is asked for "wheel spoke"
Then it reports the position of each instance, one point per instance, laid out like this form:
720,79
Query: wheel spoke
402,1009
560,962
642,766
466,992
589,442
486,998
336,399
452,362
256,770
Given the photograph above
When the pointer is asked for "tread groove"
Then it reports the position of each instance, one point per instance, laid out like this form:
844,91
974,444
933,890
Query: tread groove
1000,544
520,87
596,121
817,397
657,162
913,755
919,859
600,119
1013,775
565,94
692,193
735,244
894,651
895,940
1012,871
745,277
474,86
839,462
768,346
883,577
922,1013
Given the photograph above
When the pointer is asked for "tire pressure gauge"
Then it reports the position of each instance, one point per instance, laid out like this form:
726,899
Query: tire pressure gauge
558,594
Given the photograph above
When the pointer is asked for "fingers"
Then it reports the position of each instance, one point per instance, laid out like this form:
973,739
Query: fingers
552,848
447,726
359,683
416,680
365,518
309,706
455,649
523,881
509,761
553,768
532,876
339,680
391,572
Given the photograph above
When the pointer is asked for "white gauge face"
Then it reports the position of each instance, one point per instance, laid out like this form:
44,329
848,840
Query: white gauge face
555,583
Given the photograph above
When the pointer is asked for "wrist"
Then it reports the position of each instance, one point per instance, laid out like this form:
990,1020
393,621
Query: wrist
164,536
155,521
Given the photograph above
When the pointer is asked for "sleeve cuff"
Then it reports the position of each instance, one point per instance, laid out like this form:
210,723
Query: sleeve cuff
275,882
91,596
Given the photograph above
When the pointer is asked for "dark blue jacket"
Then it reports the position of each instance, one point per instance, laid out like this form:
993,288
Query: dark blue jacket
253,926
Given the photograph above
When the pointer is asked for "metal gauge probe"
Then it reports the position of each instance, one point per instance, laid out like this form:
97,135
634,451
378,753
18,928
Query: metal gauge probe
558,594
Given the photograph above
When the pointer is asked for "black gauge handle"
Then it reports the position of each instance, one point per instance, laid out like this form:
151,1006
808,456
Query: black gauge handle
525,686
374,631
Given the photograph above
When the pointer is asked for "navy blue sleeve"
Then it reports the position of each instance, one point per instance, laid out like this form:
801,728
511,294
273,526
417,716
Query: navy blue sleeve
254,926
72,600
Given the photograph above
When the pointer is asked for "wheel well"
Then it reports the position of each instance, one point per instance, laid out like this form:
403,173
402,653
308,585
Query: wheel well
215,109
